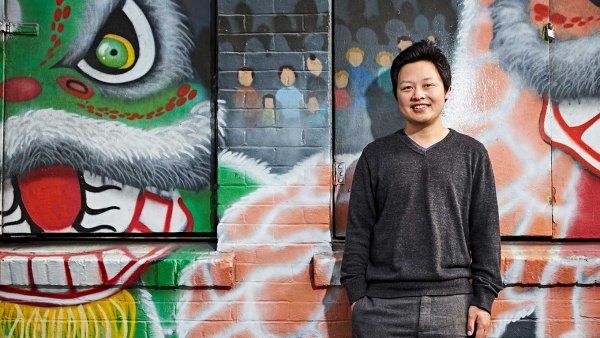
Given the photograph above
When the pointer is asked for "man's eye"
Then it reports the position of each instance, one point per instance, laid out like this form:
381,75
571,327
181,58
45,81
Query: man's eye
124,49
429,85
405,89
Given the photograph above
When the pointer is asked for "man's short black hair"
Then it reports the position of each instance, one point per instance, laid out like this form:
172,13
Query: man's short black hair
423,50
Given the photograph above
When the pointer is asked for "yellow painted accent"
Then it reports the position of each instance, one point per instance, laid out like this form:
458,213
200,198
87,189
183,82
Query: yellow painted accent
111,317
128,47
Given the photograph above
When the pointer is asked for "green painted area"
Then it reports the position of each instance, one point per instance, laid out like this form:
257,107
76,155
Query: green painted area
233,185
199,204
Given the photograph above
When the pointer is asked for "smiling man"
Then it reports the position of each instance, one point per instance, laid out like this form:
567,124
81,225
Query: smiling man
422,253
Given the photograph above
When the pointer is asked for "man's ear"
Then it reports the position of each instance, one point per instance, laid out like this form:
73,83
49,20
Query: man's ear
447,94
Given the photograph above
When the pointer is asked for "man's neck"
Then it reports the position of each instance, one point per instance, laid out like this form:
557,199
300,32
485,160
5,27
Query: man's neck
426,135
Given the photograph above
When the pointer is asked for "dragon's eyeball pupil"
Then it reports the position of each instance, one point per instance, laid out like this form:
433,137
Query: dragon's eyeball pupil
115,52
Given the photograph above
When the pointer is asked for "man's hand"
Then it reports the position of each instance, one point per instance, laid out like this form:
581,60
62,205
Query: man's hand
352,306
479,317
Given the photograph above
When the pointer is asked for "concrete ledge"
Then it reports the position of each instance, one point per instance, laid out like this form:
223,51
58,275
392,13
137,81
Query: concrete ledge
523,263
78,266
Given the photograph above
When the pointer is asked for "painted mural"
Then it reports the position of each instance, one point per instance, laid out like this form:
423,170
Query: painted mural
108,128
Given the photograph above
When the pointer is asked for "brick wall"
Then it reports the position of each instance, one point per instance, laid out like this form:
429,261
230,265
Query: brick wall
273,270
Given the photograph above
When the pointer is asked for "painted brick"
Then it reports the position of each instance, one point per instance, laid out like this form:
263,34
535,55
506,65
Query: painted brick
273,61
315,22
271,23
288,137
294,6
236,137
263,311
231,24
277,273
316,137
301,42
242,7
290,155
265,154
317,214
230,61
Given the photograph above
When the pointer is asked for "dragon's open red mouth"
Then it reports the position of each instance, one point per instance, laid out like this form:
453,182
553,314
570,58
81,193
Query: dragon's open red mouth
60,199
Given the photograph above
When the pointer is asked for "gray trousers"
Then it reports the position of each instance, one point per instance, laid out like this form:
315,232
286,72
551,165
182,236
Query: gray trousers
422,316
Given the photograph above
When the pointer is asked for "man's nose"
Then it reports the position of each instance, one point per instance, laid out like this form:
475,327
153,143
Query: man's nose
19,89
418,94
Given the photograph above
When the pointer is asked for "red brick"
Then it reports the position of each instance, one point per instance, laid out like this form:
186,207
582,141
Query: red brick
208,329
317,214
219,311
285,231
245,255
289,253
253,273
301,273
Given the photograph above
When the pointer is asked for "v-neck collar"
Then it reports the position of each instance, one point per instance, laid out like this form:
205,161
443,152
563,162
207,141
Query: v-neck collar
412,144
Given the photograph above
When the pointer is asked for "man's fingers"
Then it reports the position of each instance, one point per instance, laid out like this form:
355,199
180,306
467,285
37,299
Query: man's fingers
481,327
471,321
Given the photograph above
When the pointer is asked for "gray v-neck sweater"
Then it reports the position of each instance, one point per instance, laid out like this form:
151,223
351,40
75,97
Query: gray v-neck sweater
423,222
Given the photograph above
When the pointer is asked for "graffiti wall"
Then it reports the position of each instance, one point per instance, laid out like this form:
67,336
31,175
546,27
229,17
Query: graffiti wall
109,121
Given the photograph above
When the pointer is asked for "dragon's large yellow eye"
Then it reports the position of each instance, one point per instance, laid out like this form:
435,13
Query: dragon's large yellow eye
115,51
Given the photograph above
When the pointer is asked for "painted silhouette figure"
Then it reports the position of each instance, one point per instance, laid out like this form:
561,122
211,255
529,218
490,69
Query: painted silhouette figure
340,95
289,99
246,97
360,77
267,114
384,81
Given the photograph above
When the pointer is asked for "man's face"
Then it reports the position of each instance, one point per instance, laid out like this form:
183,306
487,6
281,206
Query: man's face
287,77
420,92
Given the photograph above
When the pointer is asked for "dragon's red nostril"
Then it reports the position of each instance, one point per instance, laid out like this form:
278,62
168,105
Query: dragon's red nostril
18,89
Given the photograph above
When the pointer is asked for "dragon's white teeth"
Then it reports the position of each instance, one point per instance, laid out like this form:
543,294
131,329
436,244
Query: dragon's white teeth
49,271
114,262
85,270
13,271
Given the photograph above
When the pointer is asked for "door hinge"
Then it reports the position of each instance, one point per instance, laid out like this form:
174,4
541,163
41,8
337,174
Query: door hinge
339,173
20,28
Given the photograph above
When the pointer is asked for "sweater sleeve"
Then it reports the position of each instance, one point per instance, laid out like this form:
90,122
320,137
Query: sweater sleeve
361,217
484,236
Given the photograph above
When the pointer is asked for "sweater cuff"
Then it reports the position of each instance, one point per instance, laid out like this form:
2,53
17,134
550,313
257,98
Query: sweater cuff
356,289
483,298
